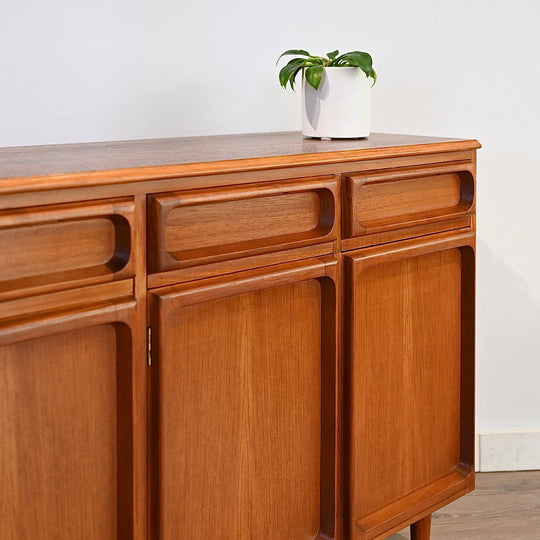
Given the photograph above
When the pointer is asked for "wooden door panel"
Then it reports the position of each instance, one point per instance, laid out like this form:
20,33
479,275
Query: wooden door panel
408,407
244,393
65,412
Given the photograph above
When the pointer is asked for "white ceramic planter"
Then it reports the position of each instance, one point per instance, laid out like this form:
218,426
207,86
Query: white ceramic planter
340,108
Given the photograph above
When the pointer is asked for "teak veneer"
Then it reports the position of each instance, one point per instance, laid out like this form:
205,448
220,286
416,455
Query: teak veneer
237,337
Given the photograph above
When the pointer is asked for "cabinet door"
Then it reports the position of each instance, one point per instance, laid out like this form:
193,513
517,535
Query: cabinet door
66,425
409,372
243,405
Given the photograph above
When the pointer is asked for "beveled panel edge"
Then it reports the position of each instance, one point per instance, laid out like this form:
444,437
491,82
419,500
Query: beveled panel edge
66,299
458,224
407,172
408,509
230,266
239,282
413,247
69,280
47,213
235,192
64,320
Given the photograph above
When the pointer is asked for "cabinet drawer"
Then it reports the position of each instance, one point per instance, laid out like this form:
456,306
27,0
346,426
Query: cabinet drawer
383,201
58,246
210,225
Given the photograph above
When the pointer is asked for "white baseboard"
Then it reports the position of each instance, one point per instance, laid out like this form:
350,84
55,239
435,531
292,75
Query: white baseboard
508,451
477,453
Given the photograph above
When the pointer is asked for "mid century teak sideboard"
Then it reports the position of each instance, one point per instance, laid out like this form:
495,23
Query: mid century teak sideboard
236,337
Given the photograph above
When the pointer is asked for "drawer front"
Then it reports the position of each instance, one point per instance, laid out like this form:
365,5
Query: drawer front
389,200
210,225
58,246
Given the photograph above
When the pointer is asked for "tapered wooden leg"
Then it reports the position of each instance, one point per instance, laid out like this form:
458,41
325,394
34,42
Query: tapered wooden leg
421,529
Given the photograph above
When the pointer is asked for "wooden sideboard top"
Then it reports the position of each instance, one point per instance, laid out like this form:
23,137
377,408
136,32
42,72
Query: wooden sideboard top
57,166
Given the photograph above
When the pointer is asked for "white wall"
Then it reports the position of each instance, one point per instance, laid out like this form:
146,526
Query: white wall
75,70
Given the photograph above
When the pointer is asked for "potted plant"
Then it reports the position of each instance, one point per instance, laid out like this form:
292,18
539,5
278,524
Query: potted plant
335,92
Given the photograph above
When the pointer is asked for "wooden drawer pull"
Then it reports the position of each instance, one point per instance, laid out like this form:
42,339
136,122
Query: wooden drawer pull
389,200
211,225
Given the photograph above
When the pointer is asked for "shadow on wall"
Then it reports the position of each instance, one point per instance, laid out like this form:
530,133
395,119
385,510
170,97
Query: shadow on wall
508,347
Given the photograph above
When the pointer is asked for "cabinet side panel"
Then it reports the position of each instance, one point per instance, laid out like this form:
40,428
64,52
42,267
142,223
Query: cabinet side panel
240,416
404,377
58,452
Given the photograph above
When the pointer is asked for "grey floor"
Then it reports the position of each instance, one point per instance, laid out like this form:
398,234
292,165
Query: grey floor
504,506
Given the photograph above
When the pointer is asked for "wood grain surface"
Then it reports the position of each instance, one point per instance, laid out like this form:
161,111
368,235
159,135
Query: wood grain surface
244,420
69,165
407,426
192,228
52,246
62,394
421,530
385,200
403,398
63,158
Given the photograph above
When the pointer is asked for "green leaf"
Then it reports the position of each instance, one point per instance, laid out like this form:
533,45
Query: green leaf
288,72
373,75
356,57
314,76
299,52
332,54
298,61
293,77
359,59
314,61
